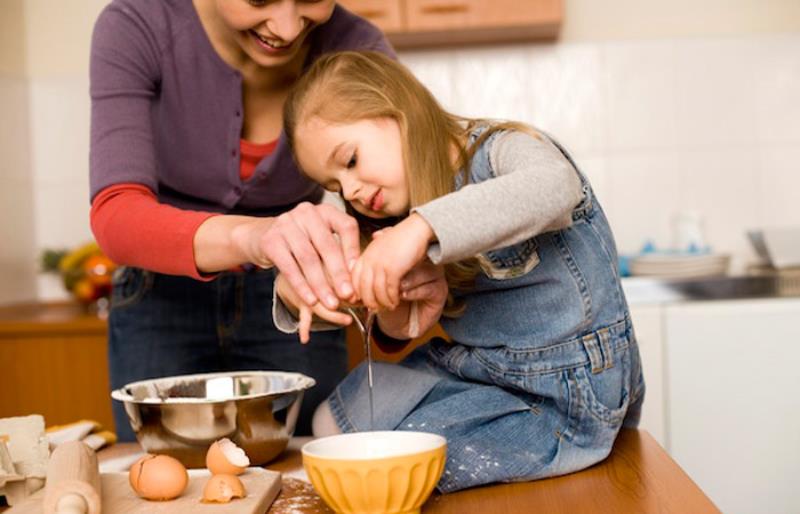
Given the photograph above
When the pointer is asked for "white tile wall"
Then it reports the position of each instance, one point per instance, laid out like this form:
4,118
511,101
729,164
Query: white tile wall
716,91
776,69
640,81
17,222
59,117
18,259
779,188
659,126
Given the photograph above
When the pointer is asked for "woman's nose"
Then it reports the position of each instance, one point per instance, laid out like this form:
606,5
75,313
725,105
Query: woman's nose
285,21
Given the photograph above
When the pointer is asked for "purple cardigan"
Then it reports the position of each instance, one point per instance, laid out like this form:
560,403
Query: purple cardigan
167,110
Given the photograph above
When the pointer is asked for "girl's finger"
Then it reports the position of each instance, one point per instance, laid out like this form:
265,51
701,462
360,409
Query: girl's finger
305,324
367,288
335,317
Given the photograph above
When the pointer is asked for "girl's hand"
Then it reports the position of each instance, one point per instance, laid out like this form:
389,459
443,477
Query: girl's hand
424,293
387,259
304,312
302,244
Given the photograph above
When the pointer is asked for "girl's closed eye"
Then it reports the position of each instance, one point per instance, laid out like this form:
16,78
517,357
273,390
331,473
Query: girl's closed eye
352,162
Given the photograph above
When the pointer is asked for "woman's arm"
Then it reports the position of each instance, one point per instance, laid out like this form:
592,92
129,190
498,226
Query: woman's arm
311,245
125,77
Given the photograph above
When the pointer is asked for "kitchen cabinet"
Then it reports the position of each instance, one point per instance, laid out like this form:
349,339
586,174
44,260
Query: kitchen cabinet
649,329
419,23
733,403
53,363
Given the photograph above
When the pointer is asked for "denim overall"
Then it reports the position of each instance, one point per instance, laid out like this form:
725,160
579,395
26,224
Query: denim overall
543,370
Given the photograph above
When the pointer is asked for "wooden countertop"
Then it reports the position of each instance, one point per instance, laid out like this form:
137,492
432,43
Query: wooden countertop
638,477
60,318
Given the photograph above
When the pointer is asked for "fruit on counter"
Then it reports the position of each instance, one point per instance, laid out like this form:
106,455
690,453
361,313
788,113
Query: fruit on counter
222,489
86,271
98,269
84,290
74,258
158,477
225,458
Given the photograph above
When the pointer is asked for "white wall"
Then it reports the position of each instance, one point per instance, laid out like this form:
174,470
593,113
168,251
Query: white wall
667,106
17,223
707,124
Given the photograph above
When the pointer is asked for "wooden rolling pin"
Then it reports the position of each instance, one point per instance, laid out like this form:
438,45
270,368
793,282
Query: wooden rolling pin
73,480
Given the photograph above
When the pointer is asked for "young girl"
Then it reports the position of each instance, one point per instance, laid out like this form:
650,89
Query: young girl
543,369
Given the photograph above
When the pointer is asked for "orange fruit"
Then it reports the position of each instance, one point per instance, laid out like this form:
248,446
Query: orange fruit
84,290
98,269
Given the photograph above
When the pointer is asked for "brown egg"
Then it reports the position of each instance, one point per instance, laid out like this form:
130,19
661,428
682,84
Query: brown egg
222,489
158,477
225,458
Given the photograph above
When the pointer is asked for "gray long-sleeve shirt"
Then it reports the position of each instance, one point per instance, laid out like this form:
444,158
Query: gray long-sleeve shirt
535,190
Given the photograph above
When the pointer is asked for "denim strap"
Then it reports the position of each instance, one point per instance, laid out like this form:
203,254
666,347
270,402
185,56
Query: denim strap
592,347
598,347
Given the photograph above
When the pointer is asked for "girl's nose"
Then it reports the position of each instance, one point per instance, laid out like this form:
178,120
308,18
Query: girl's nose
284,21
350,188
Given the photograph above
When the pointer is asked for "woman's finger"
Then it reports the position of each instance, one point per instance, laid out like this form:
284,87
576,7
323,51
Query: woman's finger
283,260
310,265
346,227
420,274
321,233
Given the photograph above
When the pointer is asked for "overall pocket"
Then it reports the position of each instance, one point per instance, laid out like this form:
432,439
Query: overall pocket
602,395
129,285
510,261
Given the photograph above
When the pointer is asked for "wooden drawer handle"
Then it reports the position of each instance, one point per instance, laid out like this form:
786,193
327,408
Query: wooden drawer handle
371,13
445,9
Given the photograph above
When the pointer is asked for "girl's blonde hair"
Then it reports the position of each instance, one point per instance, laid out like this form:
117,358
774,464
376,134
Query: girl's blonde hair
347,87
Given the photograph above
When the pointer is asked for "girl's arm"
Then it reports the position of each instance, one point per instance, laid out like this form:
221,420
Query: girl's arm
535,191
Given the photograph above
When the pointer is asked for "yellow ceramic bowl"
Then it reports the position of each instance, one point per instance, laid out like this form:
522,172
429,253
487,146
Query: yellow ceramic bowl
375,472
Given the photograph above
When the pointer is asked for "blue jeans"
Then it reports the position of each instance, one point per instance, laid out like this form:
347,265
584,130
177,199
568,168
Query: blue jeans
508,415
164,325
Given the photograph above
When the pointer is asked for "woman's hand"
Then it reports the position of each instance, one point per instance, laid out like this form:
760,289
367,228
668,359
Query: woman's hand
424,293
311,245
304,312
391,254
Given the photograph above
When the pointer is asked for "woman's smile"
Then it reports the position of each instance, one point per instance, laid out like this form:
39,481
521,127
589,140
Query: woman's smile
273,46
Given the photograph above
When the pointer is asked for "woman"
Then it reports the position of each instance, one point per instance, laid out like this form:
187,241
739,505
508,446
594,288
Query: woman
192,184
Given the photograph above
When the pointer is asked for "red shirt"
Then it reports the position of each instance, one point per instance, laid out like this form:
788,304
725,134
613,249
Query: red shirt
133,228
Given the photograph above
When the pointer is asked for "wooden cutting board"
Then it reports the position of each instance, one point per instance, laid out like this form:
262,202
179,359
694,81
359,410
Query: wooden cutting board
262,488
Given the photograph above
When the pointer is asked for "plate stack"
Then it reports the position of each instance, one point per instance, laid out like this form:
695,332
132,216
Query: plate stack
680,265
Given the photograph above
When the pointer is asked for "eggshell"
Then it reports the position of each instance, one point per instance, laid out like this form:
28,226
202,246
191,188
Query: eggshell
225,458
222,489
158,477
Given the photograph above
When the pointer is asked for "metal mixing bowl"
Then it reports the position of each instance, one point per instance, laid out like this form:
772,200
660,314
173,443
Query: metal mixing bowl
181,416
